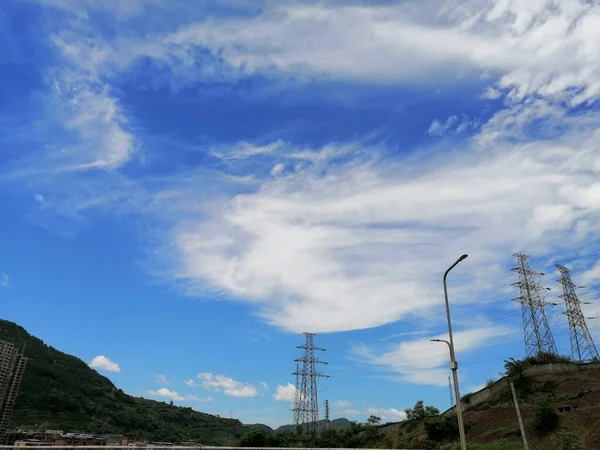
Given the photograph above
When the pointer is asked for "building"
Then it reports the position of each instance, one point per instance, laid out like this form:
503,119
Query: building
12,368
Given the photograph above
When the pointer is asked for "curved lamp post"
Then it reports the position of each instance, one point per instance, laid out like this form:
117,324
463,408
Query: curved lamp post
453,362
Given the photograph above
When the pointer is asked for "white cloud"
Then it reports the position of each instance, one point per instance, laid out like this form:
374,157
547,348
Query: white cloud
461,125
492,93
228,386
421,361
165,393
387,414
277,169
5,280
103,363
590,276
39,198
172,395
543,47
438,128
190,382
310,249
342,404
285,393
162,379
246,150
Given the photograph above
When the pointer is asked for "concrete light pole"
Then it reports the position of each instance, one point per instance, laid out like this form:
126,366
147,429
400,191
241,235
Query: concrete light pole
453,362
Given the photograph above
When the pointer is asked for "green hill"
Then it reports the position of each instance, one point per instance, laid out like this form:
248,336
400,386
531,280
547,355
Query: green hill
559,402
335,424
60,391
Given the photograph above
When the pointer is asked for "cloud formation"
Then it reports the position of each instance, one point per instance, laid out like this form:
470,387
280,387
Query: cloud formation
421,361
162,379
285,393
312,242
227,386
312,247
5,280
173,395
103,363
387,414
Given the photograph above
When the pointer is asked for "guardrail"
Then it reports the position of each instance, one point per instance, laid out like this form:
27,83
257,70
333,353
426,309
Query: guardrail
173,447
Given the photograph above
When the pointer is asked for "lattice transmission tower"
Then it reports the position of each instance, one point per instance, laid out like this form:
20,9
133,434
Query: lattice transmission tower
327,414
537,333
306,405
582,344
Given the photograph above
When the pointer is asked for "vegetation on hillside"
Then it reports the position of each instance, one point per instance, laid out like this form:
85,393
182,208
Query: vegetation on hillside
60,391
357,435
492,424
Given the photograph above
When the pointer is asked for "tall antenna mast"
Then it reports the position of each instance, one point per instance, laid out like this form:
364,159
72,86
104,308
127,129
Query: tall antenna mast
537,333
307,402
582,344
327,414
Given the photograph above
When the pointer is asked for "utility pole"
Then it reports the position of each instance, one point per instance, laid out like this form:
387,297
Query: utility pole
307,402
451,396
582,344
327,414
536,331
512,388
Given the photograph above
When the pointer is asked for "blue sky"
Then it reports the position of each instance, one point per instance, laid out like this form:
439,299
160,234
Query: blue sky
186,187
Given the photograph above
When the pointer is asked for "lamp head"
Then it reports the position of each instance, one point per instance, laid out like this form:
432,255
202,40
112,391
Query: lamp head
463,257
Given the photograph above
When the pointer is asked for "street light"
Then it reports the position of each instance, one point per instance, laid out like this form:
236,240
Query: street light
453,362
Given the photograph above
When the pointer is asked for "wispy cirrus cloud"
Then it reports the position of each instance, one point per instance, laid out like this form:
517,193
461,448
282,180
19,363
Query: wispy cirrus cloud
162,379
421,361
5,280
311,247
309,244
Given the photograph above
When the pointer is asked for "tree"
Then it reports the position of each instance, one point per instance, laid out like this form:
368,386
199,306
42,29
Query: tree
420,411
373,420
256,438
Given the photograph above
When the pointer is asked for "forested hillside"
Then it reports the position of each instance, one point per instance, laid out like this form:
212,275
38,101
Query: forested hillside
60,391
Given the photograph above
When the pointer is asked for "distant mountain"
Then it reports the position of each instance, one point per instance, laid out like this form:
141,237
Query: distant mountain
336,424
60,391
259,426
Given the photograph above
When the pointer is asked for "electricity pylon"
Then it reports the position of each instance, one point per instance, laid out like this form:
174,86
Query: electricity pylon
582,344
537,333
306,405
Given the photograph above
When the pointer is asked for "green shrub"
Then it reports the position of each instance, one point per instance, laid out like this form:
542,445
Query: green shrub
549,386
547,418
442,428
